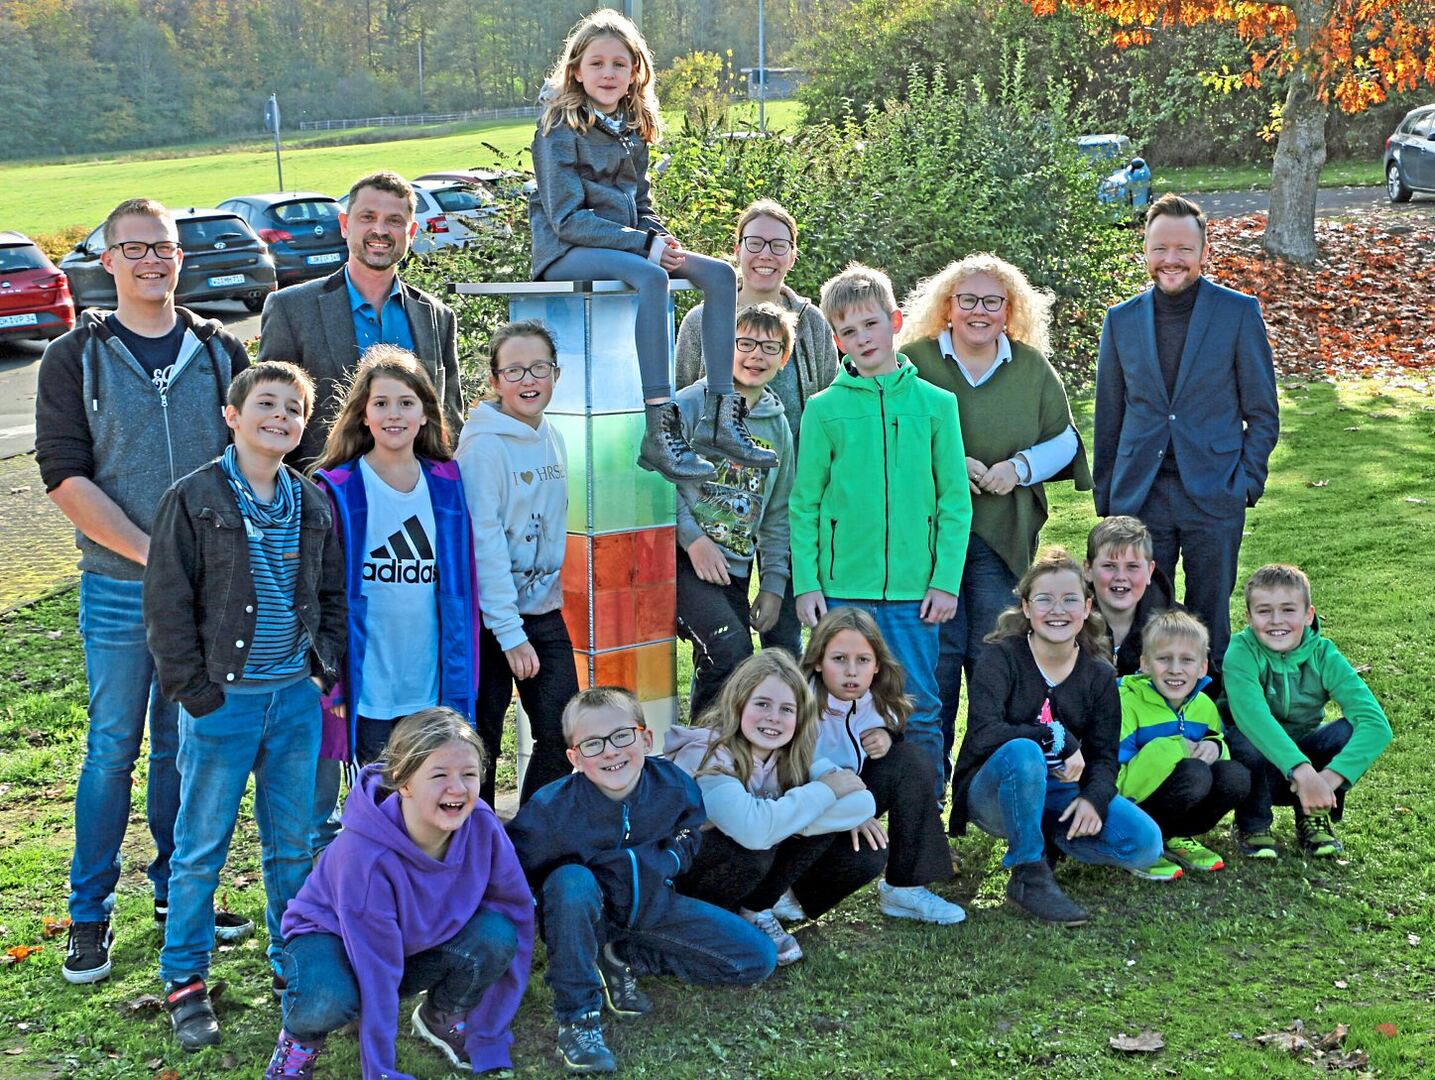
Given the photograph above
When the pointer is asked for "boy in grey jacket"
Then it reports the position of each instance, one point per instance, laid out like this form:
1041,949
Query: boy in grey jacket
740,512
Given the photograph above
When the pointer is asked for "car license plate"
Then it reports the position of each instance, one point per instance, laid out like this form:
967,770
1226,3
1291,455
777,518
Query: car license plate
320,260
28,319
226,279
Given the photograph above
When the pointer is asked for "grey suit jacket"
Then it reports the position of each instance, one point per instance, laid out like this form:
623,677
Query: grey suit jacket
312,325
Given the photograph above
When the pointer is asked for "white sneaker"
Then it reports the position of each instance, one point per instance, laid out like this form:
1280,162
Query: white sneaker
788,950
918,902
787,909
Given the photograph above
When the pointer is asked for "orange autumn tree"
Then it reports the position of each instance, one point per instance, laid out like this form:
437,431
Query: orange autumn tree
1346,53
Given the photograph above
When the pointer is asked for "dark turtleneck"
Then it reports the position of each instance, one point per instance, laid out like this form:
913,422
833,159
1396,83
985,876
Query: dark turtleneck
1173,318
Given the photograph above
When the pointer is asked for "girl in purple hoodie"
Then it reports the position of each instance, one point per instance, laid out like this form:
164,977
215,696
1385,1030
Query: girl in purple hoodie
420,891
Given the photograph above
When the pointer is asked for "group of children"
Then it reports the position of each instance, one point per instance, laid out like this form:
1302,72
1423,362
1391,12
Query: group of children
307,622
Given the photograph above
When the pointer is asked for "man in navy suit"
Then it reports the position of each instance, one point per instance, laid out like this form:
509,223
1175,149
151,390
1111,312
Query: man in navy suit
1186,413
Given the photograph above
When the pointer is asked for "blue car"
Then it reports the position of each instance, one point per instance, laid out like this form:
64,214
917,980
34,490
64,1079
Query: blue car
1125,186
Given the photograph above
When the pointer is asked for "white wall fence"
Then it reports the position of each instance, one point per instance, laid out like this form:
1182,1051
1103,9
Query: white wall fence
420,119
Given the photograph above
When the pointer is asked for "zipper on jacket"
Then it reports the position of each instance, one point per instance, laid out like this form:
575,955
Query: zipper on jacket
832,553
886,495
856,742
632,864
931,541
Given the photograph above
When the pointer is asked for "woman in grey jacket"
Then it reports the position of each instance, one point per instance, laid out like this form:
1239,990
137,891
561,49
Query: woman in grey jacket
592,217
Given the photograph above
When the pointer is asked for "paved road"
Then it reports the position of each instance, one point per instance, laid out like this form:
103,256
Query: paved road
20,367
1329,201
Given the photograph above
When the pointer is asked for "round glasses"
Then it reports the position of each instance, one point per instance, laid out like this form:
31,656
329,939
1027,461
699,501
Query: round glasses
134,250
755,244
1047,602
769,348
624,736
544,369
969,301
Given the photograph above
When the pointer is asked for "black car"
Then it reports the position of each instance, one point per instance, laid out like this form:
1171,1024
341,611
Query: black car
301,229
1410,155
223,260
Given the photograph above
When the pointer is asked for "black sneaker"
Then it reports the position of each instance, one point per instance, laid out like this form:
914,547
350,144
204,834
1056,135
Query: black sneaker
1317,836
161,913
444,1030
191,1013
87,957
620,987
230,929
581,1046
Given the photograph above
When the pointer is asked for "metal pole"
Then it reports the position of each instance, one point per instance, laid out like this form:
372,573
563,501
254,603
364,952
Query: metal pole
761,68
278,161
634,10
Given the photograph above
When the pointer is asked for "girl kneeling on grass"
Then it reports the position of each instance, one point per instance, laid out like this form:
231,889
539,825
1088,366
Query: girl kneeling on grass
420,891
858,685
777,818
1038,764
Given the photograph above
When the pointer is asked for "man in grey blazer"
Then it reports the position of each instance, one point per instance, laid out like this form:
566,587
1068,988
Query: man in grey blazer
325,325
1186,413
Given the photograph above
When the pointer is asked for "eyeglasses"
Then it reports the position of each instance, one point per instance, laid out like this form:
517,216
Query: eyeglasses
769,348
544,369
755,244
135,250
1047,602
624,736
969,301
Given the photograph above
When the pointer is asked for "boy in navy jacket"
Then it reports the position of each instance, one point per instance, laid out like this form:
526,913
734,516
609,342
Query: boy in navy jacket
601,848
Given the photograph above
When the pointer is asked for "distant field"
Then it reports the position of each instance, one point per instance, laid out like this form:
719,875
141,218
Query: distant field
46,198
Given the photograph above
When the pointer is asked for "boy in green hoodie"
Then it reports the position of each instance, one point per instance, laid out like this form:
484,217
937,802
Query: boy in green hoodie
1279,674
880,509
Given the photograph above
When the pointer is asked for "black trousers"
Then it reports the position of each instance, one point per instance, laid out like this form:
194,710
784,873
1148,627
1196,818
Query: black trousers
731,876
1196,796
714,618
1268,787
543,697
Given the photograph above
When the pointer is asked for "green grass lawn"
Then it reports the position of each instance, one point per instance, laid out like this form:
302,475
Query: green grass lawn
1211,963
1205,178
46,197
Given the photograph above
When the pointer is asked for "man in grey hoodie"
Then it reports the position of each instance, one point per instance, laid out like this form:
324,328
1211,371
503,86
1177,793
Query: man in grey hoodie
128,402
740,512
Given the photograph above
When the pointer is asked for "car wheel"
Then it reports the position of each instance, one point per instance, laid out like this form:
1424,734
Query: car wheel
254,303
1395,184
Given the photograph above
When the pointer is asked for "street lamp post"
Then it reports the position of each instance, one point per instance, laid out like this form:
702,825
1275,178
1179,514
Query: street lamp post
761,69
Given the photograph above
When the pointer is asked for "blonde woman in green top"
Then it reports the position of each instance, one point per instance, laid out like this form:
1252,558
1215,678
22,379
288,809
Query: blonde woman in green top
980,329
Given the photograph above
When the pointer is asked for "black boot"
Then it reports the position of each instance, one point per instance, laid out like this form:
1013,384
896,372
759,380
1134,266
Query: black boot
1033,889
191,1013
665,448
722,433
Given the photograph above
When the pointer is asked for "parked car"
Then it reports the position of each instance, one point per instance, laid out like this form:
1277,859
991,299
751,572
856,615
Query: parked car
34,295
449,213
1410,155
498,181
223,260
300,228
1125,187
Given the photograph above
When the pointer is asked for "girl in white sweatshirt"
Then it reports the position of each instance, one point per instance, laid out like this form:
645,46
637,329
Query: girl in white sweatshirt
777,818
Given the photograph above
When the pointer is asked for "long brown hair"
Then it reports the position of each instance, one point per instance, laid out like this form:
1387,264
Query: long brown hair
1013,621
564,100
418,735
724,717
887,694
350,437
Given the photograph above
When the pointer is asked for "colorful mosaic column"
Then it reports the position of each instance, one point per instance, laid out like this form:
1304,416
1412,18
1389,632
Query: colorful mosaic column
619,575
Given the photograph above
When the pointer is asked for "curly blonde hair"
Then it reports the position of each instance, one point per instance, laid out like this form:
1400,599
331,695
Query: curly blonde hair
564,100
1028,308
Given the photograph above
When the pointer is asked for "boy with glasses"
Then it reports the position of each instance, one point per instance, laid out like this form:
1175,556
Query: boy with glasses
128,402
601,848
740,512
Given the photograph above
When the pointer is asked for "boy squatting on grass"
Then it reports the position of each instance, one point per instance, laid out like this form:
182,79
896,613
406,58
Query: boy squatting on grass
245,614
1279,674
601,848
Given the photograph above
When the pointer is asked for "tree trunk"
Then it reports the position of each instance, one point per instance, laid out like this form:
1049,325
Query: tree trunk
1295,175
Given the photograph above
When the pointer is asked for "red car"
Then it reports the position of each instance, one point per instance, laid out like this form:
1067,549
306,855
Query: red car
34,296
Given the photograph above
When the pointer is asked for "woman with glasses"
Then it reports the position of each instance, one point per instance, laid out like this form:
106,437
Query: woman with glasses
981,330
765,250
515,474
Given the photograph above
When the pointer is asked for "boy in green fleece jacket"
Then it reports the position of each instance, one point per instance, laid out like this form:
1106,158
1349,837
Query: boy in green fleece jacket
1279,673
880,510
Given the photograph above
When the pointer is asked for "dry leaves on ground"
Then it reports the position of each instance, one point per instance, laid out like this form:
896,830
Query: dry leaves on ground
1148,1042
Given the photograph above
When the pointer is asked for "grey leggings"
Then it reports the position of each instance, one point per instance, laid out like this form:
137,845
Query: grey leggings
714,277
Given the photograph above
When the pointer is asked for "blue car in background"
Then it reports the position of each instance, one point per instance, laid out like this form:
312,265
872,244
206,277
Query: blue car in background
1125,186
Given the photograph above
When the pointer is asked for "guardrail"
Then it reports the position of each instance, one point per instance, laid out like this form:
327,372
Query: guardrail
419,119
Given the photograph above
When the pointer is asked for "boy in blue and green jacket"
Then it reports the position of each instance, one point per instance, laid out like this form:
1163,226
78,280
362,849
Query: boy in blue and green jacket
1174,761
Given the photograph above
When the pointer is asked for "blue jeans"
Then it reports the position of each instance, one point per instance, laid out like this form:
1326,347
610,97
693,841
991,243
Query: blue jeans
274,735
690,940
1014,797
988,588
917,647
1269,787
121,677
322,994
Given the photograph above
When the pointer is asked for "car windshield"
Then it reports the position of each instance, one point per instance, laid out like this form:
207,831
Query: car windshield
196,233
458,200
20,257
308,212
1106,150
